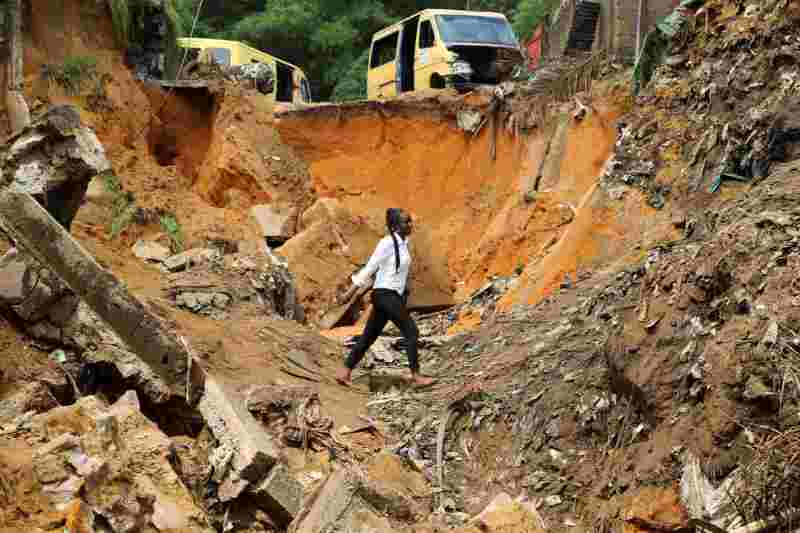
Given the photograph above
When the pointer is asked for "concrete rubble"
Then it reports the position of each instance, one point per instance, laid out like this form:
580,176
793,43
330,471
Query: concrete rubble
117,466
54,160
246,459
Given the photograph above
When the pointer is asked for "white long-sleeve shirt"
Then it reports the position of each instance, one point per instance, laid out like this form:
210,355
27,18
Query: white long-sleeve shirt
383,262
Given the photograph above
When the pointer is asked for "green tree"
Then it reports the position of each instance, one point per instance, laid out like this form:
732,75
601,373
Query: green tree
353,84
529,14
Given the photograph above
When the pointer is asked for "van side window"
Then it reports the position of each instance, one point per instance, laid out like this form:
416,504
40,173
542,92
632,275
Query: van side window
426,36
222,56
384,50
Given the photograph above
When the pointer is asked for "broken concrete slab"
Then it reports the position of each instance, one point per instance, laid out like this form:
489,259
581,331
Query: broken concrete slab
42,290
331,501
133,370
280,495
253,450
337,505
247,457
151,251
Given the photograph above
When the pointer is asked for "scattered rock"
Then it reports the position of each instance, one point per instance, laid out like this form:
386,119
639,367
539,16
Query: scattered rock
393,488
151,251
190,258
553,500
35,396
505,514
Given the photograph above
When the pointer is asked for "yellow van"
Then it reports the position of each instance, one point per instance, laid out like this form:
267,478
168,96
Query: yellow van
291,84
438,48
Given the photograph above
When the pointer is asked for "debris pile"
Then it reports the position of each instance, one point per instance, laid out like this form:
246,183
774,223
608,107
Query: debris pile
207,283
107,468
722,105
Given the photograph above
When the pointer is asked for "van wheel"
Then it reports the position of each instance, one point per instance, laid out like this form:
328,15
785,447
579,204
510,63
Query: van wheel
437,82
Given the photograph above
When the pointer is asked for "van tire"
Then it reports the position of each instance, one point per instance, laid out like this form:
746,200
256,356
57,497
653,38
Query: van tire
437,82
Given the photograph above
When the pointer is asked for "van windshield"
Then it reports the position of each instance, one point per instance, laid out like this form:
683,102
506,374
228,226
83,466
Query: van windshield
476,29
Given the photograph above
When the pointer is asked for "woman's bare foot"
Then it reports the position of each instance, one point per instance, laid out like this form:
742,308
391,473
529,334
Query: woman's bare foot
343,376
421,381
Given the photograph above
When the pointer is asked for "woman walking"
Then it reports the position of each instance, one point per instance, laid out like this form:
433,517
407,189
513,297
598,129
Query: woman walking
390,263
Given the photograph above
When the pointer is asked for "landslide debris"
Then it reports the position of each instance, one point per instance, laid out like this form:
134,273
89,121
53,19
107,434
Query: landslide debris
632,396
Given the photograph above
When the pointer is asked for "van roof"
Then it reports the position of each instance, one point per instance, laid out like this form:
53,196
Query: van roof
385,31
202,42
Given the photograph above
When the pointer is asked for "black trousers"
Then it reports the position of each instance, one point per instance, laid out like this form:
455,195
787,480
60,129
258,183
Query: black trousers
386,305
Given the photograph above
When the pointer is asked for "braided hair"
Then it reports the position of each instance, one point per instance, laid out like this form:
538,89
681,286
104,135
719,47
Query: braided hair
393,215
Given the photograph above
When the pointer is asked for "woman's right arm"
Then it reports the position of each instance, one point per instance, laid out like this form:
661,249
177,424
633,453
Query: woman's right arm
362,277
381,253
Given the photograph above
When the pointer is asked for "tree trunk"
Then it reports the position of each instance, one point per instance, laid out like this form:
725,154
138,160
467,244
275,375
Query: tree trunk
19,115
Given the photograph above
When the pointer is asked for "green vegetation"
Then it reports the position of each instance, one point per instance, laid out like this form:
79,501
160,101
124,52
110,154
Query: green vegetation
530,14
125,13
123,207
121,19
353,84
72,74
173,230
